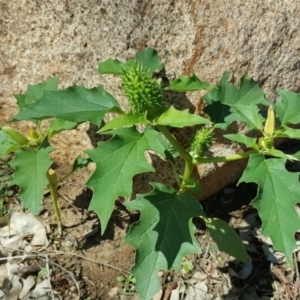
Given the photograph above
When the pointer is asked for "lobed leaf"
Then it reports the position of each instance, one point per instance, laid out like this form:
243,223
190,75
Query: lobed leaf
226,238
277,153
58,125
115,67
7,145
117,161
278,193
149,59
35,92
74,104
287,107
80,162
30,175
170,152
247,93
249,142
163,235
125,120
217,112
188,84
179,118
288,132
227,98
248,114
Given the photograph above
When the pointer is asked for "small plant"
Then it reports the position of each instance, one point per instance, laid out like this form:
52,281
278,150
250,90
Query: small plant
129,282
44,272
187,266
165,232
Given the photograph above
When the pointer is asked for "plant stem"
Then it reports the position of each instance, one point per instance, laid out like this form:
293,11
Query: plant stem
188,170
191,162
52,185
183,153
66,176
175,174
206,160
189,166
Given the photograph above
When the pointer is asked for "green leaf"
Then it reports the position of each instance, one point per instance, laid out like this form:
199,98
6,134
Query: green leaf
58,125
248,114
278,193
193,185
226,238
222,126
35,92
81,162
30,175
149,60
287,107
117,161
115,67
75,104
170,152
179,118
217,112
226,94
247,93
243,139
7,145
163,235
188,84
277,153
297,155
126,120
288,132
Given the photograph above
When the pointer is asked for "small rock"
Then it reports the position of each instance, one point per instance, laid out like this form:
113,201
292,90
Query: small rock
113,292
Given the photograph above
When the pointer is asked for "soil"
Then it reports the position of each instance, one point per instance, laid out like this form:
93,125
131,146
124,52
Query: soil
86,264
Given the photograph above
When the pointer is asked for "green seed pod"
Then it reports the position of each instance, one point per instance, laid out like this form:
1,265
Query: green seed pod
143,91
15,135
270,124
201,142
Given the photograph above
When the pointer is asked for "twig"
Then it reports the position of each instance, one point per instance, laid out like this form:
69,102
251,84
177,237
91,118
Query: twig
49,281
285,283
70,274
63,253
207,249
92,260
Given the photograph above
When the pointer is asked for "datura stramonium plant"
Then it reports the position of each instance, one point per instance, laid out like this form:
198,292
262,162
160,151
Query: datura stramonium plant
143,91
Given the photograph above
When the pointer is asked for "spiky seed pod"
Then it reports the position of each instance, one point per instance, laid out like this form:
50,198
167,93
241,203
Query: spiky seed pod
201,142
142,90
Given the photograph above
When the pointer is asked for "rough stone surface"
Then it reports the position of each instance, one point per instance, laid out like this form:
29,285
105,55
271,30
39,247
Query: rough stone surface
41,39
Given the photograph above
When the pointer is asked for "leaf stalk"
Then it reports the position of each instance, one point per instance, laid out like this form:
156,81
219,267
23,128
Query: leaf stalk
52,185
227,158
189,166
